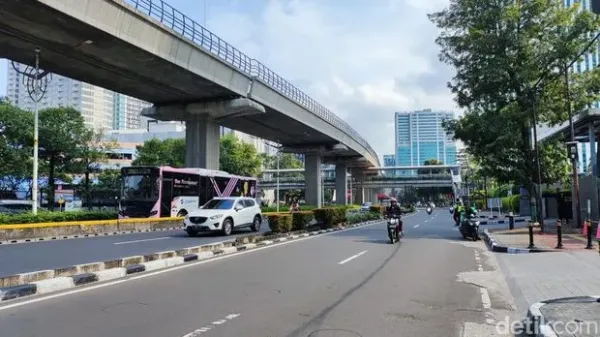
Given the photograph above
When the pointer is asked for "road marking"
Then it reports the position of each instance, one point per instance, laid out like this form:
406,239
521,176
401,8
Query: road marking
417,225
209,327
182,266
426,220
143,240
485,298
352,257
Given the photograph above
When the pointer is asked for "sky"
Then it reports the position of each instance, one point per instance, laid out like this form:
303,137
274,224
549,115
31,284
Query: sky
362,59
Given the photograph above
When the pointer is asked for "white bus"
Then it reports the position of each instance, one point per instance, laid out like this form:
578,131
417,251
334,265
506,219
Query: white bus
154,192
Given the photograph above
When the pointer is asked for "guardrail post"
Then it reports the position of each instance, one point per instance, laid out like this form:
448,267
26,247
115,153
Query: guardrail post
531,245
589,245
559,245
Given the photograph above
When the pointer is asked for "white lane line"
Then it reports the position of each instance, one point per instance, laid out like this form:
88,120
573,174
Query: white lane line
417,225
168,270
144,240
352,257
209,327
426,220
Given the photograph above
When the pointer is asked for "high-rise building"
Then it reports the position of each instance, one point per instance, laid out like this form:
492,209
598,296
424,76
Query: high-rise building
102,109
389,160
420,136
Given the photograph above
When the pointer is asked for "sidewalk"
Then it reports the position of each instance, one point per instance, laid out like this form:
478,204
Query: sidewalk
519,238
533,278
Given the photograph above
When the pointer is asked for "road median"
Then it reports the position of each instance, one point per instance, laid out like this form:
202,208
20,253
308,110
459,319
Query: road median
47,231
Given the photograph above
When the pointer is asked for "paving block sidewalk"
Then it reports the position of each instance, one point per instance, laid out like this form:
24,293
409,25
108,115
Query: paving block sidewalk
519,238
534,278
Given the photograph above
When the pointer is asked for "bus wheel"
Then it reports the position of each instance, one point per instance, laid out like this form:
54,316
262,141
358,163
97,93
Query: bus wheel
256,224
227,227
182,213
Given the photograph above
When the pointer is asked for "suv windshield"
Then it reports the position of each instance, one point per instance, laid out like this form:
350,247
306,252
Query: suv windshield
219,204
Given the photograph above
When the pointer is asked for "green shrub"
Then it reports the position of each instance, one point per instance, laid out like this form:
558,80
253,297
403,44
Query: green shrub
511,204
377,209
285,208
280,223
362,217
330,216
45,216
300,220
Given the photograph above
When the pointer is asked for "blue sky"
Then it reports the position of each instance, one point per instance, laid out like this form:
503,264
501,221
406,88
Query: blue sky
363,59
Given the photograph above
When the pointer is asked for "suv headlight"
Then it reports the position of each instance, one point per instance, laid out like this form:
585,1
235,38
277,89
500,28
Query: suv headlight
216,216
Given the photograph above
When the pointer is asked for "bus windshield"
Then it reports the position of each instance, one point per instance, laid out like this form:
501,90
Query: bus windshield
140,187
219,204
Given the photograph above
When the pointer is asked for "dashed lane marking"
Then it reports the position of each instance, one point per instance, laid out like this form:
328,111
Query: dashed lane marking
211,326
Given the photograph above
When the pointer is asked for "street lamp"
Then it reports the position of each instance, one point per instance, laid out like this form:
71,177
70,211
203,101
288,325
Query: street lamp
572,147
36,84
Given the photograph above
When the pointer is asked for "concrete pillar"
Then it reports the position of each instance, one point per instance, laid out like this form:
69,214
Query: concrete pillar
313,179
359,197
341,184
593,153
202,143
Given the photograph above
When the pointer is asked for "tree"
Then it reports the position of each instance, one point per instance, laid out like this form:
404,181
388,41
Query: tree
16,129
109,179
156,152
431,162
91,152
238,157
60,133
500,50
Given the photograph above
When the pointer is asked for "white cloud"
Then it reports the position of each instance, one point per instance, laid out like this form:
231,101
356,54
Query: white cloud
362,59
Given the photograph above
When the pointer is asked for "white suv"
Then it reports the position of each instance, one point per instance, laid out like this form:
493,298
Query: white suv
224,214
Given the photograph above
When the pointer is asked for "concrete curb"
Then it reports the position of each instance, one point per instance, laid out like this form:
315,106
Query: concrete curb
495,247
48,281
536,323
83,236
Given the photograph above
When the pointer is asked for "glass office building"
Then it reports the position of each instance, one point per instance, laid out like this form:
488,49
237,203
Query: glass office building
421,137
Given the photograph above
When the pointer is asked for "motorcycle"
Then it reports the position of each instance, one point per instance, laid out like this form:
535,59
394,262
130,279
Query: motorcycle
392,228
469,227
429,210
451,209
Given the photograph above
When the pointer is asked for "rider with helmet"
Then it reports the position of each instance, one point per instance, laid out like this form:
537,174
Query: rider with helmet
458,209
394,210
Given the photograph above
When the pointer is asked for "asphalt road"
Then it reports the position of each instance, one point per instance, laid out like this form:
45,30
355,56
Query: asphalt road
27,257
343,284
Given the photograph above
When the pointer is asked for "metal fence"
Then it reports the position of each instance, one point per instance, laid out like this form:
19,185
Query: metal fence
202,37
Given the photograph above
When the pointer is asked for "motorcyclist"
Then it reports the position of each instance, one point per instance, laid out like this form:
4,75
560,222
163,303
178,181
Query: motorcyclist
467,211
394,210
457,212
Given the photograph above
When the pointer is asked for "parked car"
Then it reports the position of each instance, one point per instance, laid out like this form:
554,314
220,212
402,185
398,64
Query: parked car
224,214
366,206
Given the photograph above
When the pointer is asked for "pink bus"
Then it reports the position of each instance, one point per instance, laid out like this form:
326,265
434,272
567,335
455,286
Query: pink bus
154,192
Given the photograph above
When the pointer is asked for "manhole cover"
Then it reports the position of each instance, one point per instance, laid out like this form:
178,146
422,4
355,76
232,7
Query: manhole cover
333,333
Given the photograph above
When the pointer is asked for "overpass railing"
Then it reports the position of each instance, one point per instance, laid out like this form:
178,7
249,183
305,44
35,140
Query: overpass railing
429,177
188,28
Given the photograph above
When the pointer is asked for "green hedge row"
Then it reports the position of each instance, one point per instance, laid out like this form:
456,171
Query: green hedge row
327,217
286,208
362,217
45,216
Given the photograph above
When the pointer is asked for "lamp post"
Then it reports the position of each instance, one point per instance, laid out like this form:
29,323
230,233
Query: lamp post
277,183
574,156
36,83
